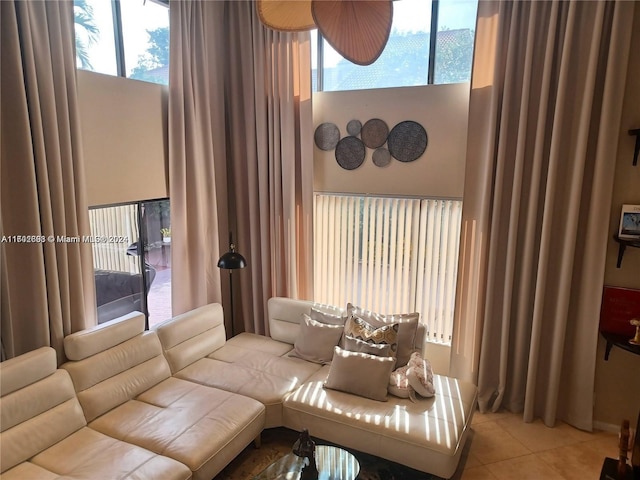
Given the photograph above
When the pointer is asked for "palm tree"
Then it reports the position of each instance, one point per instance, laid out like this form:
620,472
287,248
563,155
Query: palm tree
87,32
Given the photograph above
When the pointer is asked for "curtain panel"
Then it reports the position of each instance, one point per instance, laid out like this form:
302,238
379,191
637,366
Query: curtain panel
47,281
241,158
544,120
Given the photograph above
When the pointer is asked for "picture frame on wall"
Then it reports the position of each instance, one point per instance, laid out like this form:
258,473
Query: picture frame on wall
629,222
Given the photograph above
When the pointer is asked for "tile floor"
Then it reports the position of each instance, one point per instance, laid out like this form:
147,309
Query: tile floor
503,447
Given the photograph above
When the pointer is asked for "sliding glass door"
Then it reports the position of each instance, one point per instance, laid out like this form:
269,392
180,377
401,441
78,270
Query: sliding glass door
132,259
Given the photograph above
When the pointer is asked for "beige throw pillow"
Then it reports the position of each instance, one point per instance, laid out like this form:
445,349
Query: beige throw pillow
360,374
408,328
327,318
316,340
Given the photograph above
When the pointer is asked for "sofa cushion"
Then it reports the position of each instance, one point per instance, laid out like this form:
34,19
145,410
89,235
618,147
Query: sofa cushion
360,373
118,374
44,434
17,373
126,392
316,340
90,454
255,366
188,422
285,315
427,435
94,340
191,336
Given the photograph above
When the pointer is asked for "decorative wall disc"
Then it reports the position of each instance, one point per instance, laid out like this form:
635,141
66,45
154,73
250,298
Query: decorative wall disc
374,133
407,141
354,127
326,136
381,157
350,153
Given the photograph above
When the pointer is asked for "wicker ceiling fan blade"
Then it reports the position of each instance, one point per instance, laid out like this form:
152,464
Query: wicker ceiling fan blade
286,15
357,29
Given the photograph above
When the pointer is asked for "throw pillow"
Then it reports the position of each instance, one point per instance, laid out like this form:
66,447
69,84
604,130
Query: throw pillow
360,373
415,377
408,327
315,341
358,328
356,345
398,383
326,317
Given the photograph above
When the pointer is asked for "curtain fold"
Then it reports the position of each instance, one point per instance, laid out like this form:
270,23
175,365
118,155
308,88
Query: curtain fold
257,83
545,106
47,282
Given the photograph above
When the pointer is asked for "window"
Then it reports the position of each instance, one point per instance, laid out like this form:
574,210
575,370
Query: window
412,55
389,255
129,277
126,38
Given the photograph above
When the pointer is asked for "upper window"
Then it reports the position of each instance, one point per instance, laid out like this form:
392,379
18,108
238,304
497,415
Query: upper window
412,55
126,38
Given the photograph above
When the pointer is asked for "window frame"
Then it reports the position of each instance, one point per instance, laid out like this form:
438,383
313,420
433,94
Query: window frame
431,67
118,36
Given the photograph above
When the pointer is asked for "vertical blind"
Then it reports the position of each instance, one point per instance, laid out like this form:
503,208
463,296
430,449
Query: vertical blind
389,255
106,223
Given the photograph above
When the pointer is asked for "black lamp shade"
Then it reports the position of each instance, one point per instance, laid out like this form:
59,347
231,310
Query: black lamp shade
232,260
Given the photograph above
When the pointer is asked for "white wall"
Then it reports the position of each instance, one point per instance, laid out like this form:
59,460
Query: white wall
441,109
617,395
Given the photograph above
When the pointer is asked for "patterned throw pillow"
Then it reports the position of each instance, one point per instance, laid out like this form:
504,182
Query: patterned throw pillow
356,345
358,328
407,332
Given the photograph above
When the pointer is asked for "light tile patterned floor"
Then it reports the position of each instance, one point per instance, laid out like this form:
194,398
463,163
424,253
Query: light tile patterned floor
503,447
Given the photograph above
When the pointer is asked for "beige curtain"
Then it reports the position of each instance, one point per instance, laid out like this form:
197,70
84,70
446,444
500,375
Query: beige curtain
544,119
47,287
255,88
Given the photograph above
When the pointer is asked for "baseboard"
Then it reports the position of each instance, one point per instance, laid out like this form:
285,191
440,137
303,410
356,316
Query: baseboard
606,427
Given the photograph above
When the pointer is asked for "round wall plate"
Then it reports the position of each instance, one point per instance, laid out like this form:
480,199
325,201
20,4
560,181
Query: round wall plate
354,127
374,133
326,136
350,153
407,141
381,157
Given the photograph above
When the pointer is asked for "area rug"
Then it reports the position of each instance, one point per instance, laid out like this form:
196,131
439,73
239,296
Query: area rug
277,442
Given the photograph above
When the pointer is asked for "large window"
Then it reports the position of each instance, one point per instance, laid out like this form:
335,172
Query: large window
412,56
389,255
129,38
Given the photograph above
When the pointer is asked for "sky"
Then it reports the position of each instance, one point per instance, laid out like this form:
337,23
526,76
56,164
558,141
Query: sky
139,16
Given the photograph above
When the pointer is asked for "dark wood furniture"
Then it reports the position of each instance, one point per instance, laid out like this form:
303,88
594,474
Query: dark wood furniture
620,341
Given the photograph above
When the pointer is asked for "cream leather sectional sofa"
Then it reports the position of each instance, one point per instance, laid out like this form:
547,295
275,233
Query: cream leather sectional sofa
181,401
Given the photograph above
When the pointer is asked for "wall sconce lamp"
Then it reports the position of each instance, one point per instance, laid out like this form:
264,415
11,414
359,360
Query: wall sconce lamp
231,261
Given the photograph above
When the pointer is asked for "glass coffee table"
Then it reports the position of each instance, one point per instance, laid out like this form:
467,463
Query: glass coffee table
333,464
